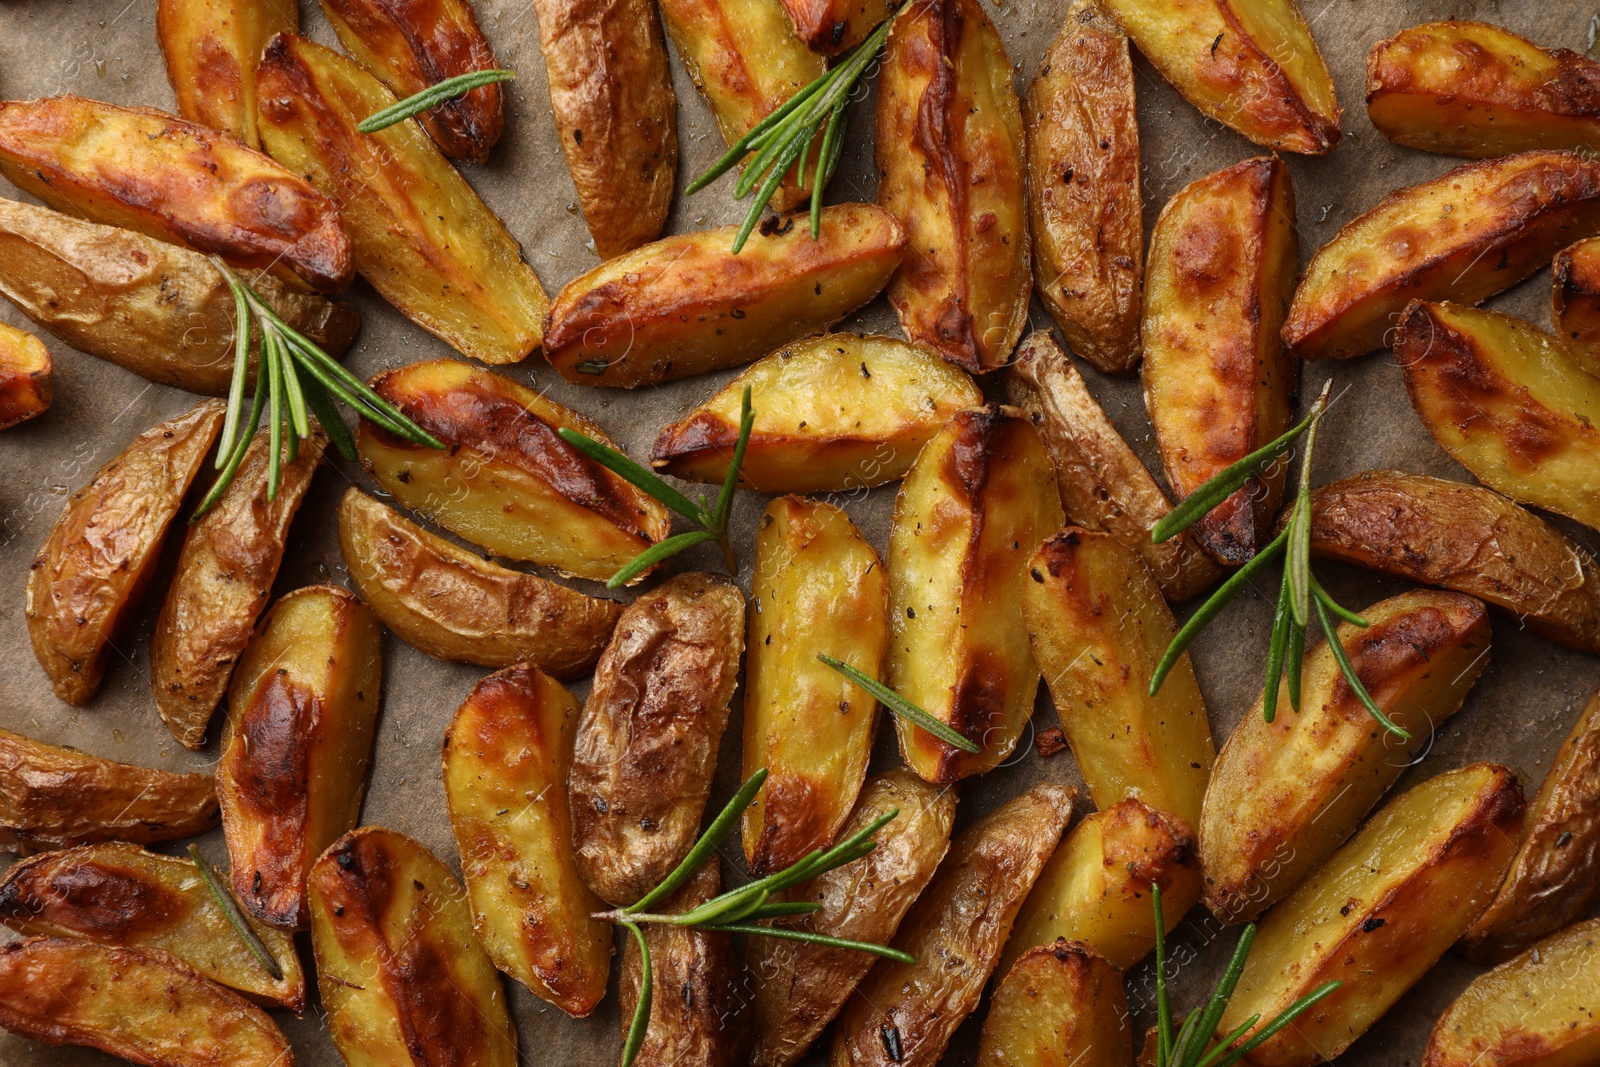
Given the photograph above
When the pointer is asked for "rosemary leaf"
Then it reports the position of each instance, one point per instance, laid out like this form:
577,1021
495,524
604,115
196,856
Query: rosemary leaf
641,1011
270,356
769,186
635,474
655,554
241,367
431,97
225,477
1345,668
779,909
1221,1048
322,407
235,917
705,845
1226,482
1180,1045
787,934
901,706
730,484
1287,1016
1208,611
1334,606
741,147
1282,620
1294,660
1206,1029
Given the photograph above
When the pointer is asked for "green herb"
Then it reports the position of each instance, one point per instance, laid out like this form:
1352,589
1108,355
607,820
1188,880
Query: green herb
431,97
235,917
901,706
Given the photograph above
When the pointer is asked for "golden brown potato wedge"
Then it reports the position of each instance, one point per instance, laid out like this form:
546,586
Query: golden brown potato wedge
1463,236
1466,538
224,579
418,232
1217,380
93,570
1379,912
145,170
950,156
120,895
1251,65
401,977
506,480
955,931
832,413
800,987
211,48
834,26
647,741
145,1006
506,755
1575,303
27,376
59,797
1501,397
1061,1004
1285,794
969,514
1084,205
302,711
687,304
454,605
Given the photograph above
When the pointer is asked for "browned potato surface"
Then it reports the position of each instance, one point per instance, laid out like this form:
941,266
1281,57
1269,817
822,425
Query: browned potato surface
834,26
211,48
1060,1004
27,376
1575,303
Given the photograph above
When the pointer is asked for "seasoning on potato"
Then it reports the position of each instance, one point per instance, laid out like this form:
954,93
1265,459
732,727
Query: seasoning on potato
211,48
1059,1004
27,376
1575,303
834,26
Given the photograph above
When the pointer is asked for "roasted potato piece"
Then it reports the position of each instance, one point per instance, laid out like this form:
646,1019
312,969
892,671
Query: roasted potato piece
1060,1004
93,570
301,715
955,931
27,376
1084,205
647,741
1285,794
951,168
686,304
212,48
1217,380
418,232
149,171
401,977
832,413
1466,538
834,26
506,480
1575,303
968,515
59,797
1251,65
506,755
1499,395
1379,912
1463,236
145,1006
800,987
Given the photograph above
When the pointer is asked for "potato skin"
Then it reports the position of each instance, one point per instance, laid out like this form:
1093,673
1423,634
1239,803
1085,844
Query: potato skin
95,567
686,304
1059,1005
647,742
834,26
211,48
951,168
1575,303
27,376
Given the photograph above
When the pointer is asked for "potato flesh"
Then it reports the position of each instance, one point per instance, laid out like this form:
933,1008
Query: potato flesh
27,376
1575,303
1061,1005
834,26
211,48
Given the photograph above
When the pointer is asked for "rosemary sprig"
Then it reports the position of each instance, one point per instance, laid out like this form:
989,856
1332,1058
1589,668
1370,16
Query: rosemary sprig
901,706
235,917
431,97
711,517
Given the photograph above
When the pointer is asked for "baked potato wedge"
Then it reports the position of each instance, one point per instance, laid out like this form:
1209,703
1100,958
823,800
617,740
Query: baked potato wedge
1501,397
506,754
1575,303
506,480
211,48
833,26
401,977
27,376
93,570
969,513
418,232
1379,912
647,740
1059,1004
687,304
952,169
834,413
800,987
906,1012
302,710
1285,794
1216,377
1462,236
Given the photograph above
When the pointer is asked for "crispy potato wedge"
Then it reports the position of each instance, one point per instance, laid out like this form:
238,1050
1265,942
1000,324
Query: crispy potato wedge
506,480
211,48
955,931
1379,912
1098,627
647,740
401,977
951,166
1084,205
27,376
834,26
1466,538
833,413
965,522
123,896
223,581
418,232
1217,380
1499,395
800,987
54,797
1575,303
506,755
1285,794
149,171
687,304
1060,1004
93,570
302,711
145,1006
1463,236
